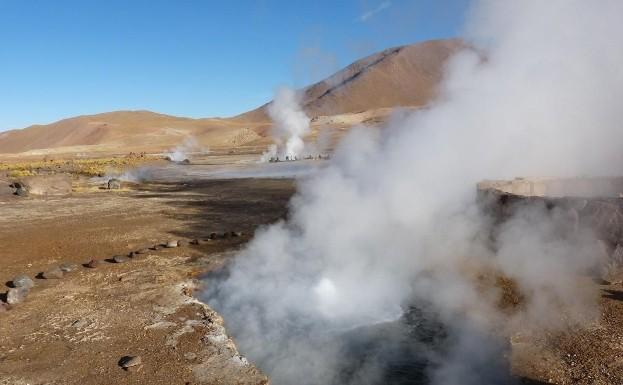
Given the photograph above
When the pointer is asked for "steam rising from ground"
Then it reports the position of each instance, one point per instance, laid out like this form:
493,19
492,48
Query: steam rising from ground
392,220
290,125
184,150
134,175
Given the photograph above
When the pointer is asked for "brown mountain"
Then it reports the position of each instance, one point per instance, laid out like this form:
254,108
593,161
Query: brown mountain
123,131
401,76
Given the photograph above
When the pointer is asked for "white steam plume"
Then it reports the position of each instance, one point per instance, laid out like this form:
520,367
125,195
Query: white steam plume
183,151
393,219
290,125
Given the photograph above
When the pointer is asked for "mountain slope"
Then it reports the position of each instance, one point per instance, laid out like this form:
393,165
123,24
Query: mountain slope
401,76
120,130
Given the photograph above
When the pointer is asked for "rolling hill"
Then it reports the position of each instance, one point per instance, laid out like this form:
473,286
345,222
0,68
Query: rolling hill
401,76
122,131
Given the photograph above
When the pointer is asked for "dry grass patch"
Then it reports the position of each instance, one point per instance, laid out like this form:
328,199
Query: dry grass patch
84,167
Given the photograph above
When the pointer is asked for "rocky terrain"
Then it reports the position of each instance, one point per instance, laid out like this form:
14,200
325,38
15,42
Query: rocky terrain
592,352
101,269
111,303
116,274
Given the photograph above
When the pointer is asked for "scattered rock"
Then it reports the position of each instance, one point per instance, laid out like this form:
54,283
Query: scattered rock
212,236
120,259
67,267
194,242
114,184
186,161
156,247
16,295
92,264
53,273
24,281
171,244
81,323
127,362
190,356
138,254
21,191
239,360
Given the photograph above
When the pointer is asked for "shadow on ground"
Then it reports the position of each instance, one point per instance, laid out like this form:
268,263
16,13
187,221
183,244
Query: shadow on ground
221,205
613,294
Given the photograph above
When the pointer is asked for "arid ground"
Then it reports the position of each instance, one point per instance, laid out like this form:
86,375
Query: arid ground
75,330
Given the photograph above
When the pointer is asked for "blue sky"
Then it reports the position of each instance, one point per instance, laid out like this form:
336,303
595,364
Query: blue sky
61,58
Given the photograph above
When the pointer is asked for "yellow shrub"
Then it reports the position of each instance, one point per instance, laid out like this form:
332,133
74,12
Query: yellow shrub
20,173
87,167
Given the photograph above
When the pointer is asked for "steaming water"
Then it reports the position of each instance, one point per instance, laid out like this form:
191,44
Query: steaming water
409,350
395,352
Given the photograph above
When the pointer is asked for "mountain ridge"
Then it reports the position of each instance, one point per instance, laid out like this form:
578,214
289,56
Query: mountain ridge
404,76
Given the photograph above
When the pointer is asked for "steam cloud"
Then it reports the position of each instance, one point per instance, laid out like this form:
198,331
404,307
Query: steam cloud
134,175
183,151
392,220
290,125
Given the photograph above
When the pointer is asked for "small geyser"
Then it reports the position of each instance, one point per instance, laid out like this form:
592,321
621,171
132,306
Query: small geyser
183,152
290,125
